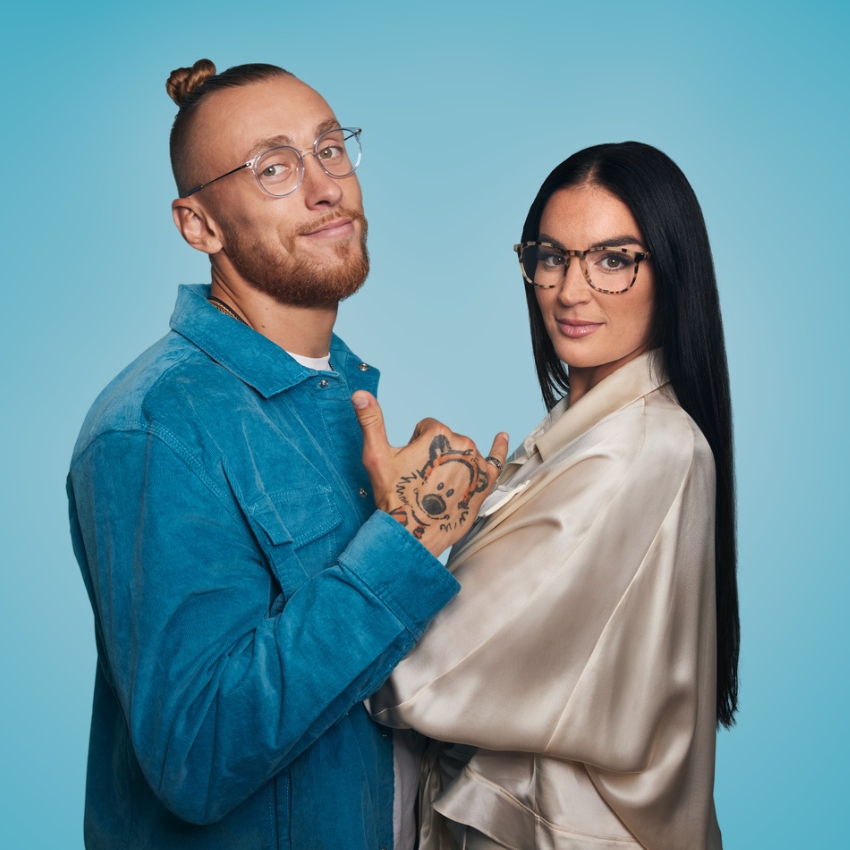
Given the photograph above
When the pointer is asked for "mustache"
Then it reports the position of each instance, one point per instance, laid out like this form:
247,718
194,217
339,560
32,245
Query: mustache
354,215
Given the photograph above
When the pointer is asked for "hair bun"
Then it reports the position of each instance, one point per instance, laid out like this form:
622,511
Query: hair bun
183,82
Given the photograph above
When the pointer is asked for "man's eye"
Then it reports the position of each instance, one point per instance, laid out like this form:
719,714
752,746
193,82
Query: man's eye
330,152
274,169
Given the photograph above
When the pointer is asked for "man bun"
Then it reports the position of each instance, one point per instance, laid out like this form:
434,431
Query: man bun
183,82
188,88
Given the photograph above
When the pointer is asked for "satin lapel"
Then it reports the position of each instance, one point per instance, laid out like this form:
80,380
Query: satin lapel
629,383
520,456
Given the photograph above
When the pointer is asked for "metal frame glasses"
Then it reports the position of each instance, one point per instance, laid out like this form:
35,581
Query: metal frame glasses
607,253
327,155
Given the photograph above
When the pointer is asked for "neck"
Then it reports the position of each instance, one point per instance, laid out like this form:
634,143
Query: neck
299,330
584,379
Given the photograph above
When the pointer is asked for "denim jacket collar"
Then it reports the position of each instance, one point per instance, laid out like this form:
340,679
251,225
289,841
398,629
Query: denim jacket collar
249,355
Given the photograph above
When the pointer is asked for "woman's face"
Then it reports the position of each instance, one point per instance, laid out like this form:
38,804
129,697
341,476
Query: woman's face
594,333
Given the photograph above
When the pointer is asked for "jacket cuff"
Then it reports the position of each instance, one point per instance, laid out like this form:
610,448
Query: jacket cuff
400,571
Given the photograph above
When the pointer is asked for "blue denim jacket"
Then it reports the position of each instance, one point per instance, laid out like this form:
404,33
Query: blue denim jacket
247,596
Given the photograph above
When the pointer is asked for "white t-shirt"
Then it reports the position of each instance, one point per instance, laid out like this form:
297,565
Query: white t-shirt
320,364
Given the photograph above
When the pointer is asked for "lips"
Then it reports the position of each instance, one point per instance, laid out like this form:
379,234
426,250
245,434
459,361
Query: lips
337,227
577,328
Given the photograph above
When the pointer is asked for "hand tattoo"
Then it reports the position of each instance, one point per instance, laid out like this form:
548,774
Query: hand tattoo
426,494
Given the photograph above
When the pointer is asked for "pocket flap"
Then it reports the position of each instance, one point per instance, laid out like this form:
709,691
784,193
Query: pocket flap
296,516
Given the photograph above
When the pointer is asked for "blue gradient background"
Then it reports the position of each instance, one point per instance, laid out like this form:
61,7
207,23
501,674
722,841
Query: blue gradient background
465,109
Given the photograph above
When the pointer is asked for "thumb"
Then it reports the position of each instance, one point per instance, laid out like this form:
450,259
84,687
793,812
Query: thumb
371,419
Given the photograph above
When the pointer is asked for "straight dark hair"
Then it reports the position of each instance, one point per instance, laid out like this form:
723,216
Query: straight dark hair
688,329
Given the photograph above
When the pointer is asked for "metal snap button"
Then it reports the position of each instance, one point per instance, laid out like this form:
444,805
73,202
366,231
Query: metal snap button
363,493
363,367
323,383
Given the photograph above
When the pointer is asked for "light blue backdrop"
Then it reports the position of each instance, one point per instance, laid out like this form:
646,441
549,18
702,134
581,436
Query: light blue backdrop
465,108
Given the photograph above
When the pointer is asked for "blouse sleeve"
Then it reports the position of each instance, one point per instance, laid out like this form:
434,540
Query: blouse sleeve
585,627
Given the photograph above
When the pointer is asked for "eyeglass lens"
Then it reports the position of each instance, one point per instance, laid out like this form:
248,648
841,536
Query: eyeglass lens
279,170
611,270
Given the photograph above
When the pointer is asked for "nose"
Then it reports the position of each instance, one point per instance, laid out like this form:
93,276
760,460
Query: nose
574,288
320,189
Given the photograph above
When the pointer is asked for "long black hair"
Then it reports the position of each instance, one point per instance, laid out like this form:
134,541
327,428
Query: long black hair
686,326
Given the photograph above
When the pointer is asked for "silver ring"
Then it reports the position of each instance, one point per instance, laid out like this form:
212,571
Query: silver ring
495,461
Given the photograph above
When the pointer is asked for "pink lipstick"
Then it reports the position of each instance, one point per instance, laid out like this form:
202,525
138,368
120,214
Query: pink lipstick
575,328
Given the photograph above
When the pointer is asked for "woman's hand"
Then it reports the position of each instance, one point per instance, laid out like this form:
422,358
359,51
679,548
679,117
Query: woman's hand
433,486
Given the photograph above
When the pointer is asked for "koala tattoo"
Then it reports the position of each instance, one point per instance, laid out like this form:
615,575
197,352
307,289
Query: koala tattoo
427,496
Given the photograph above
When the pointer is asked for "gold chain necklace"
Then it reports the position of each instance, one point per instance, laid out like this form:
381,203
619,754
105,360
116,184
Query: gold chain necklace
226,309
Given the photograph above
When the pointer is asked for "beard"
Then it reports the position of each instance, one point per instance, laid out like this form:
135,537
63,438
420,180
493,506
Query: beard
299,281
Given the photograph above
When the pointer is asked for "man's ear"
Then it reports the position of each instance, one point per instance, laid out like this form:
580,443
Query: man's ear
196,226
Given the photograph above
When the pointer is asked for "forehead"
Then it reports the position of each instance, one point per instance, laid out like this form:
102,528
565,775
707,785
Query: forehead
584,215
232,123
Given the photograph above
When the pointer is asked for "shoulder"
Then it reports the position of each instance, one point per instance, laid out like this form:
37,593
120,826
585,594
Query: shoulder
170,383
651,444
672,433
670,460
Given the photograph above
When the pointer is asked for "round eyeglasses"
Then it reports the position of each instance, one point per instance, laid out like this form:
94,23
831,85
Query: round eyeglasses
607,269
280,170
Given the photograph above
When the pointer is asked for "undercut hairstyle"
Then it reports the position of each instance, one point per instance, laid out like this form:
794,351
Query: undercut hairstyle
188,87
686,326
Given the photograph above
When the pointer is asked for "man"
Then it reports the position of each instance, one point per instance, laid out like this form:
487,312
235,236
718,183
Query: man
247,593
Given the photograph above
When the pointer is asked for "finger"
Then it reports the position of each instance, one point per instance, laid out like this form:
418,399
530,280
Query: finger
499,450
424,425
371,419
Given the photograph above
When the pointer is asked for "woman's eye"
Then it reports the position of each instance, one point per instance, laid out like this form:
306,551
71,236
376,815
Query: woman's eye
615,261
551,259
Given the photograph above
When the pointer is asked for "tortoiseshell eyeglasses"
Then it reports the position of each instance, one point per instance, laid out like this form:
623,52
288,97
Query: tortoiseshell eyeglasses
545,265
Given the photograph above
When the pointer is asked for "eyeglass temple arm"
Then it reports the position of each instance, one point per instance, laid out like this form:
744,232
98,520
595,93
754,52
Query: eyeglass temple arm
220,177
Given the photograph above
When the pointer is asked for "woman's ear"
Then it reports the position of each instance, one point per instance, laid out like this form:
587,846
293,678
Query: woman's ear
195,225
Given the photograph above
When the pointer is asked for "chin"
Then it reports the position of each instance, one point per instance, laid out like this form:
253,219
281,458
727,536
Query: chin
577,358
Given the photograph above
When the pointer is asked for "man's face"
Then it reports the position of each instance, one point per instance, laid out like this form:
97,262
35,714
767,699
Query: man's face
306,249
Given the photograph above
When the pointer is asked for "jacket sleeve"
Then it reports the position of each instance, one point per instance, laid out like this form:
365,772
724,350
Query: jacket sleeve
585,626
221,684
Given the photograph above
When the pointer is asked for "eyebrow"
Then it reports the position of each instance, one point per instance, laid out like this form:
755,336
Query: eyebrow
614,242
282,139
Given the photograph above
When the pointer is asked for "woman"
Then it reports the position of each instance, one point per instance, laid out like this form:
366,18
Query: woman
593,649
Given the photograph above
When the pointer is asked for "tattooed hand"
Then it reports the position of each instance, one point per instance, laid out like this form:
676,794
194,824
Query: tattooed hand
433,486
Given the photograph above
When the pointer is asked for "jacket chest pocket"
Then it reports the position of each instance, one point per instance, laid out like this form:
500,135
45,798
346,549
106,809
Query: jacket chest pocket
296,530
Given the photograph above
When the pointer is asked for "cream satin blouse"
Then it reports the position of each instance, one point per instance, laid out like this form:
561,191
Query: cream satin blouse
579,657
